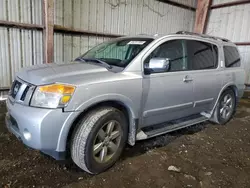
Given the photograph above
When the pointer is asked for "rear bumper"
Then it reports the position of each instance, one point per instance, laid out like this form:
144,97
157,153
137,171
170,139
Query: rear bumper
37,128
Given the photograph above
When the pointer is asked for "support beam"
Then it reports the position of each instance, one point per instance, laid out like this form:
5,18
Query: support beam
234,3
21,25
180,5
242,43
62,29
48,33
4,88
202,15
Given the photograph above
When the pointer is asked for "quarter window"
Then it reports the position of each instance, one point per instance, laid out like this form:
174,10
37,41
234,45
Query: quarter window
232,57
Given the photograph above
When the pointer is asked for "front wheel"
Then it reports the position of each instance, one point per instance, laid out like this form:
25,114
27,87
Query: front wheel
99,139
225,107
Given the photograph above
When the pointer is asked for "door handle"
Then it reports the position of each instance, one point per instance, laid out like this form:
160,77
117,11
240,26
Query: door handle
187,79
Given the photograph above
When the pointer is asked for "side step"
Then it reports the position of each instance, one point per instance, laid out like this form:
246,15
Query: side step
163,128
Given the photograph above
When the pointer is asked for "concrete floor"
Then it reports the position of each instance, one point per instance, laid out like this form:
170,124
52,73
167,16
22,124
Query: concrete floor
206,156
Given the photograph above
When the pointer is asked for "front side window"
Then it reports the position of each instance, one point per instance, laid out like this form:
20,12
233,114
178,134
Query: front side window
184,55
119,52
232,57
174,51
202,55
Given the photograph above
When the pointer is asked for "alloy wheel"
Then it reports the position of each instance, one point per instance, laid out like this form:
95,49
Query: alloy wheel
107,141
226,108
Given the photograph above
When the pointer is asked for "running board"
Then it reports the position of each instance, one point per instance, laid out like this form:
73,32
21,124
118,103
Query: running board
156,130
208,115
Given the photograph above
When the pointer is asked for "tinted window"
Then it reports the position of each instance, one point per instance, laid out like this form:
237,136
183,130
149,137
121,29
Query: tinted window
174,51
202,55
232,57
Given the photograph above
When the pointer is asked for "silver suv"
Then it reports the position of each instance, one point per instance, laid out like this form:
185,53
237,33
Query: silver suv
124,90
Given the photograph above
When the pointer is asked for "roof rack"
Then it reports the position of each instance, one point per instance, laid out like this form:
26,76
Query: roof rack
202,35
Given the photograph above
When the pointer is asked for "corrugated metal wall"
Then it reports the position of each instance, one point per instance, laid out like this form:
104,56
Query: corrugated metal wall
67,47
232,23
215,2
19,47
122,17
24,47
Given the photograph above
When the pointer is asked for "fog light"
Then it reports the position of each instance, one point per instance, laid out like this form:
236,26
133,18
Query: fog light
26,134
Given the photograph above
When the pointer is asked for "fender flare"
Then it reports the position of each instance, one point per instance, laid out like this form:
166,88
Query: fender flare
123,100
231,84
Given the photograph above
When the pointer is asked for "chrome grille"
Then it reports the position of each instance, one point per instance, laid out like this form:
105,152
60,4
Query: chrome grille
25,93
15,88
21,92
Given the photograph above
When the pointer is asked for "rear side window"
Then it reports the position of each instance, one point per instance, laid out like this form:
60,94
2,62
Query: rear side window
232,57
202,55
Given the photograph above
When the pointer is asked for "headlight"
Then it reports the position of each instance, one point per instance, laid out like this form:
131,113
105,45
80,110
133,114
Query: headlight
52,96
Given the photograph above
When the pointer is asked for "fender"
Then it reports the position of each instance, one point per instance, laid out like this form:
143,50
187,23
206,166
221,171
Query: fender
125,101
128,103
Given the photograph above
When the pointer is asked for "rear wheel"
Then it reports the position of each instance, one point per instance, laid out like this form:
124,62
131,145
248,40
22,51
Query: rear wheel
99,139
225,107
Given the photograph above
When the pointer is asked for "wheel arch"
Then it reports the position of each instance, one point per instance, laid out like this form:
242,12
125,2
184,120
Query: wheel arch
120,105
214,112
231,86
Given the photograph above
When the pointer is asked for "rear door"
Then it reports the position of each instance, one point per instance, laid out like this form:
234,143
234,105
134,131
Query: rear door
207,75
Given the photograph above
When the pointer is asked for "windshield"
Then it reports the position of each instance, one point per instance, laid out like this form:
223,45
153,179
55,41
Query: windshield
118,52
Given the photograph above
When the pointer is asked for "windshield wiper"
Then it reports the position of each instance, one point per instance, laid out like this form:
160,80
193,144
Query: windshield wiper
93,60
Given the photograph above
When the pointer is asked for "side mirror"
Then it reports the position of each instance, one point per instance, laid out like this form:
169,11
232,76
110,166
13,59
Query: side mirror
157,65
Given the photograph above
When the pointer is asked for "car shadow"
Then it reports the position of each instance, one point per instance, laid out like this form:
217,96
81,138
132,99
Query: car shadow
144,146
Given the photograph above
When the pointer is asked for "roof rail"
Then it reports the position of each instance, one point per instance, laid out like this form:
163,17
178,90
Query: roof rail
143,34
202,35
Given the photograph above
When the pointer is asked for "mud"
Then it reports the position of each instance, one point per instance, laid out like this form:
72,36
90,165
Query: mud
207,155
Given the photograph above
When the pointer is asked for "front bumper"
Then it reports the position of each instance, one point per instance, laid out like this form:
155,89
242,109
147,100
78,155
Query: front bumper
37,128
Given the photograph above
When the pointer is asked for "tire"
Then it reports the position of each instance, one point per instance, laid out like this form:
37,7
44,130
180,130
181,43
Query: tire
219,113
89,132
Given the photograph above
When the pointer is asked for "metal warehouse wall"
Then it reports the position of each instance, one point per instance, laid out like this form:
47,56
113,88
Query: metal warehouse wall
122,17
232,23
19,47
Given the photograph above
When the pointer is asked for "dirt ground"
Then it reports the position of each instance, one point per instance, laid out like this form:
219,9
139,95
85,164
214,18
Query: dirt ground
205,155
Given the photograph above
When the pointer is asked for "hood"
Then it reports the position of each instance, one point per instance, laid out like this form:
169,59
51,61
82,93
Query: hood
52,72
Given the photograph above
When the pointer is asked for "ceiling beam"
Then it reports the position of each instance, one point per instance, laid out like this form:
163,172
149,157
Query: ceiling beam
48,33
201,17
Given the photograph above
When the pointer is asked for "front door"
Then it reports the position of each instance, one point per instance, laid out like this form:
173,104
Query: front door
168,95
